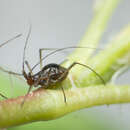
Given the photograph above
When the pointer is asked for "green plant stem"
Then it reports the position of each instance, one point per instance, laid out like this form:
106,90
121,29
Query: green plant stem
93,34
49,104
107,62
94,31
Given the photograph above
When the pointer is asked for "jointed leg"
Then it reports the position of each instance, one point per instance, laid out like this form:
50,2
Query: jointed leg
2,69
30,70
29,90
75,63
55,50
10,40
10,72
63,94
40,54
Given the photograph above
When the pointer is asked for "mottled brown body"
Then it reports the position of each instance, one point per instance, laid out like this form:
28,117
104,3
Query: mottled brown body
50,75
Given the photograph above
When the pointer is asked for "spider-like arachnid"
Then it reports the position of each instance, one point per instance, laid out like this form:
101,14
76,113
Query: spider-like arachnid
49,75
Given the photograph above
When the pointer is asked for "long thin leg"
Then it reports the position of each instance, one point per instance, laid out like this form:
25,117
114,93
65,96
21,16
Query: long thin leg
29,68
10,72
73,64
58,50
40,54
47,49
25,46
4,70
30,87
10,40
29,90
63,94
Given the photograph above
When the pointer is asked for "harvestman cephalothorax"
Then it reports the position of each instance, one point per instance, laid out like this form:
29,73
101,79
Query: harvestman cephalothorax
49,75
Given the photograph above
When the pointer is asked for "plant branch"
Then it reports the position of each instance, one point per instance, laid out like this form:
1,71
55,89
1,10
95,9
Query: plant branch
95,30
49,104
107,62
45,104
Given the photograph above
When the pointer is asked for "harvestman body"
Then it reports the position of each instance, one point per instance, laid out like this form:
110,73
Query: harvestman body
50,74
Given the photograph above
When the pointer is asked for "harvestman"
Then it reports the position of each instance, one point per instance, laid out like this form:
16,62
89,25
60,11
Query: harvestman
2,46
50,74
